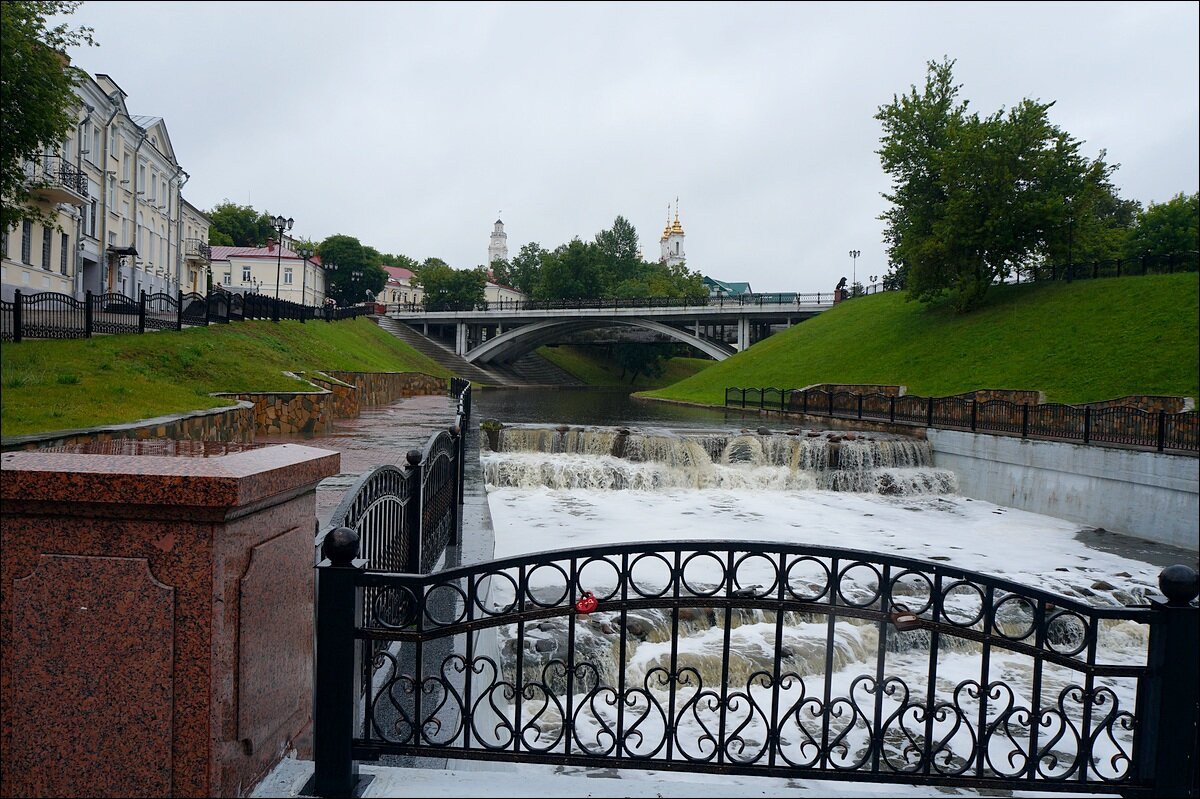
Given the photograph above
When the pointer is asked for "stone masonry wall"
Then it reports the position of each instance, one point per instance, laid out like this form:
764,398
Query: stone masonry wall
234,424
338,395
380,388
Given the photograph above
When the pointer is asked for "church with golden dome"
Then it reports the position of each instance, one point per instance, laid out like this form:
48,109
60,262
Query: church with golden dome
672,239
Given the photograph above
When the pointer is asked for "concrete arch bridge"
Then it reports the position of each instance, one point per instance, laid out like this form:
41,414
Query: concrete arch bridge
502,332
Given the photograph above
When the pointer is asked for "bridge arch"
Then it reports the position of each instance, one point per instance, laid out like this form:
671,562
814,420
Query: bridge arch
533,335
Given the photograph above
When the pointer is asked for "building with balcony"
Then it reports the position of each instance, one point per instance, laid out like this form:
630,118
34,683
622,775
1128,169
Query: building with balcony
197,254
113,188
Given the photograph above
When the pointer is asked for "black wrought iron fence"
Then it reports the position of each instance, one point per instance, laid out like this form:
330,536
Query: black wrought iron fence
783,299
54,315
1123,425
755,658
407,514
162,312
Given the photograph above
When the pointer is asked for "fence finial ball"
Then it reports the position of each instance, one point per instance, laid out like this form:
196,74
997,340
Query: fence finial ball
413,457
340,546
1179,584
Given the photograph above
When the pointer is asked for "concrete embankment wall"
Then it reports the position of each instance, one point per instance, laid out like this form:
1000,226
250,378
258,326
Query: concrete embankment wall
1149,495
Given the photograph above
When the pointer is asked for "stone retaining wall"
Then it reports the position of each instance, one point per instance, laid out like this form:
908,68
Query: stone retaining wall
338,395
290,412
216,424
380,388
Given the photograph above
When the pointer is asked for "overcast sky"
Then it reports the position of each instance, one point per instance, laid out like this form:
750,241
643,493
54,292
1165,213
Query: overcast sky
411,126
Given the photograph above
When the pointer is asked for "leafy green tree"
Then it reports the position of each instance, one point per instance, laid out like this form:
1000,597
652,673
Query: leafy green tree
1166,228
641,358
974,198
502,272
37,98
236,225
571,272
526,268
617,253
445,287
348,255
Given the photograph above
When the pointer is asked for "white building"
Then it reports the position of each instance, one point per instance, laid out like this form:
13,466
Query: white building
671,241
114,186
399,288
272,271
498,246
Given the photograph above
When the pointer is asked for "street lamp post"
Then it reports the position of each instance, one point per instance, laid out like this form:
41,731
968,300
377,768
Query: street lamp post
853,268
280,224
305,252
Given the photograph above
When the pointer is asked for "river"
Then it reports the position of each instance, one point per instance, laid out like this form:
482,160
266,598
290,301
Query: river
585,467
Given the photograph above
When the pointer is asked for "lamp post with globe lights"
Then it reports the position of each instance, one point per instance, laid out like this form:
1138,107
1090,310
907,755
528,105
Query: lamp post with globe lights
280,224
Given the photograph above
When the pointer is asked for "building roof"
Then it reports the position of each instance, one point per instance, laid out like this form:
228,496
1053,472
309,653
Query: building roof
398,273
144,121
728,287
223,253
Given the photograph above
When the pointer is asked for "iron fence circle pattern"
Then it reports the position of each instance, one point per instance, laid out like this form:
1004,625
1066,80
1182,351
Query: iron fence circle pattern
567,702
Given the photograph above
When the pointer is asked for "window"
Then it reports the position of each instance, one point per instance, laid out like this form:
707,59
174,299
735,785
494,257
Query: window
95,159
126,165
90,224
62,257
3,243
245,274
46,248
110,203
287,276
225,279
112,144
142,179
27,242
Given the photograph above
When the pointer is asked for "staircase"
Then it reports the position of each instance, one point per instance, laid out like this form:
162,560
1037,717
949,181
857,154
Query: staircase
532,369
458,366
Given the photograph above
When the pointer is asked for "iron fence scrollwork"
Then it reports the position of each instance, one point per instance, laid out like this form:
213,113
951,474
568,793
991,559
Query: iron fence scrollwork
818,662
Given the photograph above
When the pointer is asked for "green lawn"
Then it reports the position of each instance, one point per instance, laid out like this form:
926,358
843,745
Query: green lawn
1077,342
57,385
588,366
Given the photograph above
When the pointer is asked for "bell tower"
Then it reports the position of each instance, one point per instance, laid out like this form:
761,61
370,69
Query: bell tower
498,246
672,239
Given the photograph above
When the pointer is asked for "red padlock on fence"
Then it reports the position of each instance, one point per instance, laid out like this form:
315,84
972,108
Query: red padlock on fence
586,603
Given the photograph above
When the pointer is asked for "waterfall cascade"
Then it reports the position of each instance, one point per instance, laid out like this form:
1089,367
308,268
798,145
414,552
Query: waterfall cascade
619,458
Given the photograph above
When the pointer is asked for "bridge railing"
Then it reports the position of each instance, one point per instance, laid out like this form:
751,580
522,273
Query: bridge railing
778,300
1121,425
763,658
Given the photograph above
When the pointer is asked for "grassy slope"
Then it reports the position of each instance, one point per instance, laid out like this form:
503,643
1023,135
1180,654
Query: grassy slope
1078,342
56,385
594,371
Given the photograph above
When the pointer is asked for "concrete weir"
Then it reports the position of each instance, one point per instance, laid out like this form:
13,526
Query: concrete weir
1149,495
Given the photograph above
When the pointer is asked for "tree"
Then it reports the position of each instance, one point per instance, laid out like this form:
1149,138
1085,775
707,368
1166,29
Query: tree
570,272
617,253
236,225
1166,228
502,272
445,287
641,358
974,198
37,97
527,268
348,255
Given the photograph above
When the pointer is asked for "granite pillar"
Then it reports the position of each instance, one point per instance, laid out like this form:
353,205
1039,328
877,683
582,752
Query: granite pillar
155,616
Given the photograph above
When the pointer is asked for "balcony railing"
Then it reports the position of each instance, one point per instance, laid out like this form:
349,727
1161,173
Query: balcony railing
55,180
198,249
